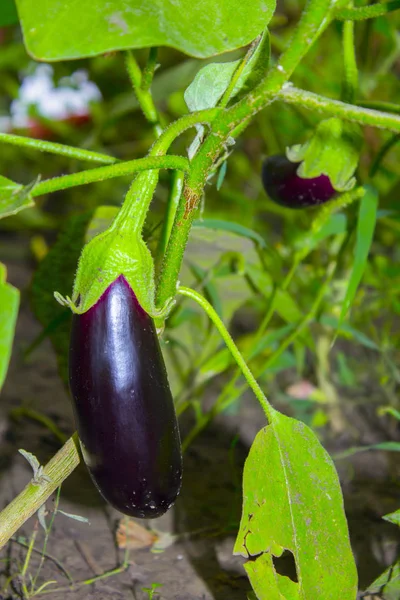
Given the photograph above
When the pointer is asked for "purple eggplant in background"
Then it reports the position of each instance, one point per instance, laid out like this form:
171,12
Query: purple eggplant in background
123,406
286,188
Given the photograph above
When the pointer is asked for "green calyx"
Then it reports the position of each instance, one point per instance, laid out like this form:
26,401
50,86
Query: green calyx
333,150
120,250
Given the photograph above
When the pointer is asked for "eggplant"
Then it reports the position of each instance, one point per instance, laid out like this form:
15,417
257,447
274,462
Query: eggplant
285,187
123,406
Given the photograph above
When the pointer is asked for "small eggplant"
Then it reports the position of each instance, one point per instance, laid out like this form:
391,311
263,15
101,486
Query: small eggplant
123,405
285,187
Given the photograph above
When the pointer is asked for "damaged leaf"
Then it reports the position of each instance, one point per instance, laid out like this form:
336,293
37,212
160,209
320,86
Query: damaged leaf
293,501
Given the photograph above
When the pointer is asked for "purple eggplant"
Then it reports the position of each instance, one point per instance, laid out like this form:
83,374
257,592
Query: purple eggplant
286,188
123,407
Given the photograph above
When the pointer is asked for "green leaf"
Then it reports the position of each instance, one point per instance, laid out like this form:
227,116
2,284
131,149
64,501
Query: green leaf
365,233
8,13
232,227
388,584
393,517
349,332
14,197
59,30
387,446
293,501
211,81
56,271
9,302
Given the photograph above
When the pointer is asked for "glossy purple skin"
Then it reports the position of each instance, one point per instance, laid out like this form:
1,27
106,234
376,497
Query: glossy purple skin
123,406
285,187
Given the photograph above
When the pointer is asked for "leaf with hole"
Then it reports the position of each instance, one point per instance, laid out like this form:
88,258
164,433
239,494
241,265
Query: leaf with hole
293,502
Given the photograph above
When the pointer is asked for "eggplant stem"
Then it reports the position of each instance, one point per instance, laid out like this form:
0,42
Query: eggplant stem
33,495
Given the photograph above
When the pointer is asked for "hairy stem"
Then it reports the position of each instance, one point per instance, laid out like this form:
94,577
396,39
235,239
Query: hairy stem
335,108
313,21
367,12
102,173
54,148
142,92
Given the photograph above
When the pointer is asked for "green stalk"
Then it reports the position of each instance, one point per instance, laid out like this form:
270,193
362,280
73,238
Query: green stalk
387,146
367,12
211,313
172,205
54,148
335,108
350,75
102,173
148,71
313,21
142,92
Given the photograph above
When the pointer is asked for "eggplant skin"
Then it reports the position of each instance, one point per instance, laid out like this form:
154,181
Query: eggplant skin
286,188
123,406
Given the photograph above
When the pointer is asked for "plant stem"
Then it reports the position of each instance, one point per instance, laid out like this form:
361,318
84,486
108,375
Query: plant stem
366,12
148,71
176,128
350,75
142,92
315,18
236,75
387,146
211,313
103,173
172,205
34,495
335,108
380,105
54,148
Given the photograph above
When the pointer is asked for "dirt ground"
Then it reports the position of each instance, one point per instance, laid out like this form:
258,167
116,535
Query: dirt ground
199,564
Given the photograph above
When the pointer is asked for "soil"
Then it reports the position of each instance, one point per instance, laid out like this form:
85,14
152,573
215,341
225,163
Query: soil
198,565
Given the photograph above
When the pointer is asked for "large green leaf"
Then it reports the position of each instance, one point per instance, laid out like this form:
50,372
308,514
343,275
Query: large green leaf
64,29
9,303
293,501
14,197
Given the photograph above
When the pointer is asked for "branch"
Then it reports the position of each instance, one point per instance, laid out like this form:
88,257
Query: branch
335,108
35,494
367,12
100,174
54,148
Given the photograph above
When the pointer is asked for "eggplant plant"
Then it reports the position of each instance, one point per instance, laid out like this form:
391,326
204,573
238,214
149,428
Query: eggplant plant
129,285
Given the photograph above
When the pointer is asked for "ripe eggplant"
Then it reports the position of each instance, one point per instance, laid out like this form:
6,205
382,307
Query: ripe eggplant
286,188
123,407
